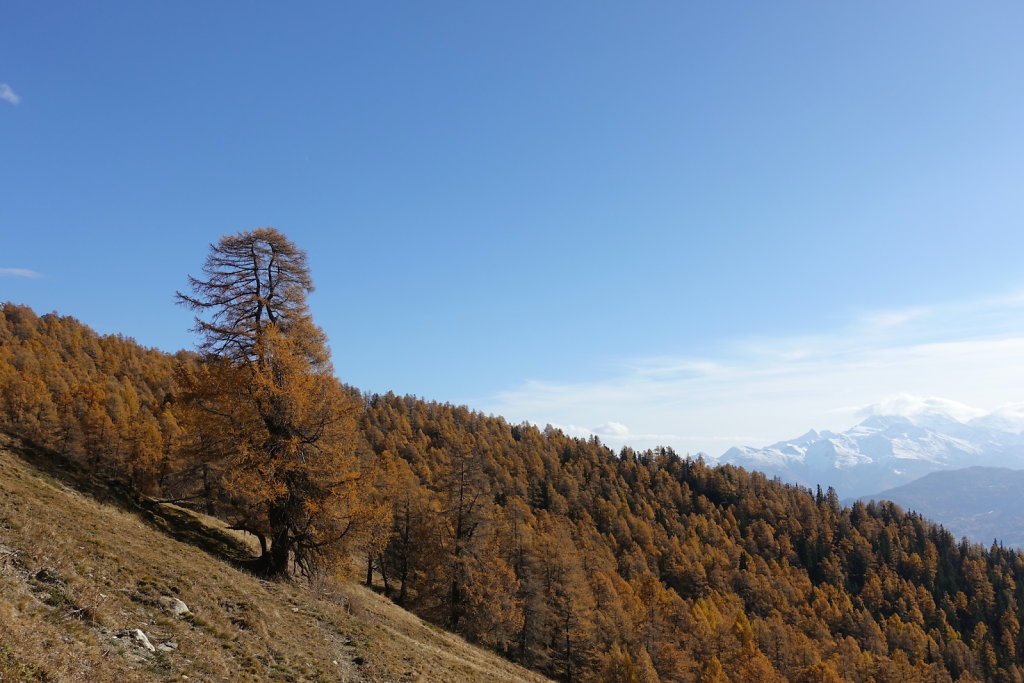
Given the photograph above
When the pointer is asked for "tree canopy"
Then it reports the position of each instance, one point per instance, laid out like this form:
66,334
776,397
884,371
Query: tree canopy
254,280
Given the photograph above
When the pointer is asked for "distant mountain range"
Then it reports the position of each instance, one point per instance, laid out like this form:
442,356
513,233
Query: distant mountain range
981,503
887,451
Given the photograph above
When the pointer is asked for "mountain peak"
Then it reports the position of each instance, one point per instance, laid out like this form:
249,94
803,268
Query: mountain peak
887,450
810,436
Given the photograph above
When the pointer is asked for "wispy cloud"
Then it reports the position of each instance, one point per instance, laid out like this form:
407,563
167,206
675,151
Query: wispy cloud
7,93
778,387
887,320
18,272
910,405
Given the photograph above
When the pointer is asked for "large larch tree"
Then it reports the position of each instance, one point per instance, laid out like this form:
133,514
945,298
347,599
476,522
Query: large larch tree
274,428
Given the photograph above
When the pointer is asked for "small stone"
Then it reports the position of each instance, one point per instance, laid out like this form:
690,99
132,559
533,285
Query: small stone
167,647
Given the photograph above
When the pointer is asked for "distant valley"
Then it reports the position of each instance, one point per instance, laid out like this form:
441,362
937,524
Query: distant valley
981,503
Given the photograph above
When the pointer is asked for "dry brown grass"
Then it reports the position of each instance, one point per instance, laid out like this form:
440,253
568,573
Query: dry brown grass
74,572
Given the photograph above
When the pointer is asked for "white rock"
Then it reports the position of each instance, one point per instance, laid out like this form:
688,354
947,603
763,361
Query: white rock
139,637
174,606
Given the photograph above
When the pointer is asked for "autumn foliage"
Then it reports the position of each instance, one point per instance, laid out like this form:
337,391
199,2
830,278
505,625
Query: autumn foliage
577,561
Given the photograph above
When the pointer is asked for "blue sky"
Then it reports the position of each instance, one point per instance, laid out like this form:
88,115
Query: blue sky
689,223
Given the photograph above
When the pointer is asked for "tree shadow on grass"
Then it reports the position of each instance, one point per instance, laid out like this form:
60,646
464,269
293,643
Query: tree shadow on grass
186,526
175,521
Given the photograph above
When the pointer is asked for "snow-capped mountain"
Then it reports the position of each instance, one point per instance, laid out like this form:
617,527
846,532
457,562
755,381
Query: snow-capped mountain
885,451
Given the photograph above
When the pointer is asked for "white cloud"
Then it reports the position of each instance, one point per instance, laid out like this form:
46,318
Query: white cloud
612,429
19,272
774,388
574,430
909,405
6,93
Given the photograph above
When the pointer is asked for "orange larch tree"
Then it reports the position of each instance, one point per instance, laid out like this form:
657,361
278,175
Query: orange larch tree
275,427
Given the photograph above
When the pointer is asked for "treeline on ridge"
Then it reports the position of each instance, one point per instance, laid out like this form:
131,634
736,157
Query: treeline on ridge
557,552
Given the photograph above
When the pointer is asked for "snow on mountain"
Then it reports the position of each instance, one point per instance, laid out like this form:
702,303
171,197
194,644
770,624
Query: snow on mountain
888,450
1009,418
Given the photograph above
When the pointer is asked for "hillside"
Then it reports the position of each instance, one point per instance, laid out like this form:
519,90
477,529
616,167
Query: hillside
982,503
578,562
76,574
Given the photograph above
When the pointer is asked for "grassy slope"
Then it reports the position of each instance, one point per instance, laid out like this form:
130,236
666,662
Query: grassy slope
75,572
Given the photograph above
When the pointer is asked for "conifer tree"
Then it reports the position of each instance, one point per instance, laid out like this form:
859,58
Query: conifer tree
266,411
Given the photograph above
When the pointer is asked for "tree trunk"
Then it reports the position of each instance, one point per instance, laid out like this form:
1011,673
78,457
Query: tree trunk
383,573
208,491
403,577
276,564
